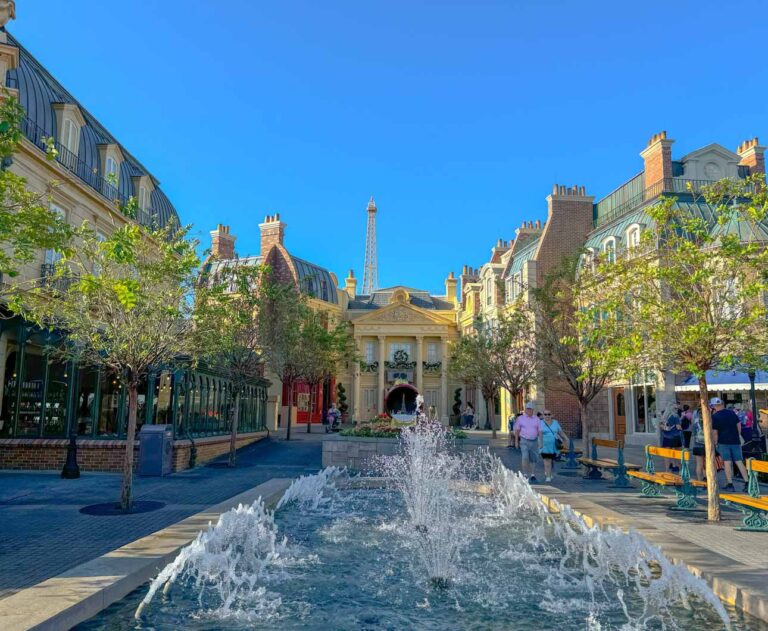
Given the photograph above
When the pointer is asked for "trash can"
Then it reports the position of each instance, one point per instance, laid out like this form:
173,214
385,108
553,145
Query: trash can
155,450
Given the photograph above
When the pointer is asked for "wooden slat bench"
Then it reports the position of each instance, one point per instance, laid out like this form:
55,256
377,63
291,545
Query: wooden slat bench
654,483
596,465
754,507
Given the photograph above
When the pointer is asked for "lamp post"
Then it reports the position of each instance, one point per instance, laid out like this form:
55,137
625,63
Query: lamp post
752,395
71,469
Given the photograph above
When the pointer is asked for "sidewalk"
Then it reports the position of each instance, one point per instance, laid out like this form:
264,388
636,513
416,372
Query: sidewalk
734,562
44,534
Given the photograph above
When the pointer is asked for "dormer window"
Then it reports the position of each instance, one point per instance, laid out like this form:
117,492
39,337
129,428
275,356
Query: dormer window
633,237
69,135
110,170
609,249
143,198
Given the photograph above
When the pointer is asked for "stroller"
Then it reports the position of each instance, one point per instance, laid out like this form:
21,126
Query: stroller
332,421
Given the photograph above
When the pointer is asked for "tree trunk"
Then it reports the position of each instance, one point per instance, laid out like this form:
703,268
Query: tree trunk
584,418
233,436
130,439
290,411
710,468
492,415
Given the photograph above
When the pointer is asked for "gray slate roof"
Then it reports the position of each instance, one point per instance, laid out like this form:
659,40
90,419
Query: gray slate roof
382,297
38,91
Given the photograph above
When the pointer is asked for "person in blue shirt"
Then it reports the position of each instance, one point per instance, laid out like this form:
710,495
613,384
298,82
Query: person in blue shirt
550,431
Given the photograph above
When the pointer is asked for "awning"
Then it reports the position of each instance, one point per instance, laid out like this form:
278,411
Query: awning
726,381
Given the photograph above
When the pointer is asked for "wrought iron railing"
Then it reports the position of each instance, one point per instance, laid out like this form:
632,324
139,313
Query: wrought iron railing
646,193
87,174
50,280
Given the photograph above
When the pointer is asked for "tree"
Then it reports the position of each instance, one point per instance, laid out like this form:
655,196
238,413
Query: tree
563,346
324,348
515,348
503,355
341,399
690,298
226,335
279,320
27,222
124,305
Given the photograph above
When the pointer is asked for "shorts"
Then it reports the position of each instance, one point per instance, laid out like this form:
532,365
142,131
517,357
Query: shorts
671,443
529,449
698,451
730,453
548,456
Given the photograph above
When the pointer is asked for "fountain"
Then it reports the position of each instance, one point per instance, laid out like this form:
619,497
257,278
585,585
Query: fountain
437,539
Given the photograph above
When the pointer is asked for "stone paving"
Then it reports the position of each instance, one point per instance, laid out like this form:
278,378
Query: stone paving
44,534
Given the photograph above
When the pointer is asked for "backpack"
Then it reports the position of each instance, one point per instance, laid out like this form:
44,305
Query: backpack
698,433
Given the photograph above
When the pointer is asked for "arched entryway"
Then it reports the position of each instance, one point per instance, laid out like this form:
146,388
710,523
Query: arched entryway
401,399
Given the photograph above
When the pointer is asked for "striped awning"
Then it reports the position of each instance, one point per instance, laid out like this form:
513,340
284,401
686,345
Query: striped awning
726,381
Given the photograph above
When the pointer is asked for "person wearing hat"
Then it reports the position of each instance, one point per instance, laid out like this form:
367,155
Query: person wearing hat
528,428
726,427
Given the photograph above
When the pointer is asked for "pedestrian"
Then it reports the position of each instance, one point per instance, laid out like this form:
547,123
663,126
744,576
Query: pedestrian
468,419
331,416
697,436
671,432
548,436
726,425
511,429
528,430
686,422
745,418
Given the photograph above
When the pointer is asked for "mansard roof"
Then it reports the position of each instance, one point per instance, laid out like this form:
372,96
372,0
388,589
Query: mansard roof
38,92
418,298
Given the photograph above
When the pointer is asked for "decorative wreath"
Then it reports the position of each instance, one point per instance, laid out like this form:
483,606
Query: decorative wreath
401,356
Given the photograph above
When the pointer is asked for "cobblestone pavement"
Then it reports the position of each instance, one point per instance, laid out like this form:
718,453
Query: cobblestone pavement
42,532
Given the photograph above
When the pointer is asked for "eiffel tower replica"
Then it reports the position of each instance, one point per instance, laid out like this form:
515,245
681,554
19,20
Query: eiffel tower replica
370,270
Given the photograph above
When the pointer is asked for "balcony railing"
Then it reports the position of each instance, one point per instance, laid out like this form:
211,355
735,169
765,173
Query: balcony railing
645,193
86,174
49,280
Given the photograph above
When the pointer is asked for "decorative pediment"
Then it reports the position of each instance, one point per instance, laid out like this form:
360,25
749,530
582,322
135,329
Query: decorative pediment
401,313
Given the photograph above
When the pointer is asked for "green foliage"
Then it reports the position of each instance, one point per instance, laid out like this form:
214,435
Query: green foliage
690,298
124,303
341,399
503,355
456,408
27,223
384,430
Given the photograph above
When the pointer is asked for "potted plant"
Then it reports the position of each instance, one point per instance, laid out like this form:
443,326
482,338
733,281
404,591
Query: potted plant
456,408
341,402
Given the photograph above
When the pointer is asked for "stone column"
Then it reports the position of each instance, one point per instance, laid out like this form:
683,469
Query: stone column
382,370
357,408
419,364
444,380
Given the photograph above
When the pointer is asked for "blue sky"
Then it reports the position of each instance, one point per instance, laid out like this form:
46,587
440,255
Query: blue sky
457,116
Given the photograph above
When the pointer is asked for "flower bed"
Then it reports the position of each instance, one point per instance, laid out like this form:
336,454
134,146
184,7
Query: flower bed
383,429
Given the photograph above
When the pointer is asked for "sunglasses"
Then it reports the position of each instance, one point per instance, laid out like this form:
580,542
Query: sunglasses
547,414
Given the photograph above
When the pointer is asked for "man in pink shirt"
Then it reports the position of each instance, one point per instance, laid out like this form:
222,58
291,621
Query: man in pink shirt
527,428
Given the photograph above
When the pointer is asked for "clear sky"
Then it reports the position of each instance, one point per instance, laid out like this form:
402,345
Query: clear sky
457,116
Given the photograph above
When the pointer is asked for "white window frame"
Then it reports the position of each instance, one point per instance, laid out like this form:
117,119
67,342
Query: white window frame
110,168
52,256
70,134
370,351
633,236
489,291
610,252
143,197
398,346
433,355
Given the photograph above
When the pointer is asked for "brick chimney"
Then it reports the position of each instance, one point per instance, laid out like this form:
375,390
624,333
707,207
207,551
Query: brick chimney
752,155
451,286
658,162
272,233
350,284
222,243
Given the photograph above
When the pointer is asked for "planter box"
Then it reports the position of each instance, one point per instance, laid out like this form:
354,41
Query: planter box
356,453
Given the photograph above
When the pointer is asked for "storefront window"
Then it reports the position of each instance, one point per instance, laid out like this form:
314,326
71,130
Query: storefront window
109,408
56,389
162,399
645,409
31,392
10,383
85,404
